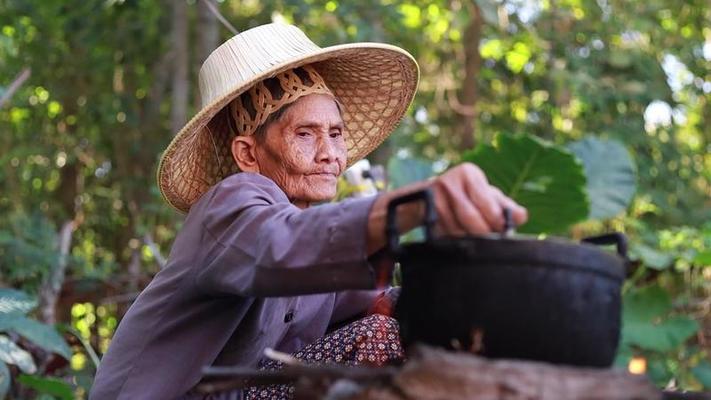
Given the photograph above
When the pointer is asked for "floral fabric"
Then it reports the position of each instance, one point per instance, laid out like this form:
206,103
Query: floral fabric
373,340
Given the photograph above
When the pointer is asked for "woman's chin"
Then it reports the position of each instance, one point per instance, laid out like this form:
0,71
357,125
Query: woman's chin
325,196
321,194
321,188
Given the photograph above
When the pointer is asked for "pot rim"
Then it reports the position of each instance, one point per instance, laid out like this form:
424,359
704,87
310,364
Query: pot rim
550,253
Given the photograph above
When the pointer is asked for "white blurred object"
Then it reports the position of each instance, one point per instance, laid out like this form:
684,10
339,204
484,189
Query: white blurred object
364,178
287,359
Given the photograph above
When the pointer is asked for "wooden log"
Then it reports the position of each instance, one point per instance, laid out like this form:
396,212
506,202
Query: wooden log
676,395
226,378
435,374
438,375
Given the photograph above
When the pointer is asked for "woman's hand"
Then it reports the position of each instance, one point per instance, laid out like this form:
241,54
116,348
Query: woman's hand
465,202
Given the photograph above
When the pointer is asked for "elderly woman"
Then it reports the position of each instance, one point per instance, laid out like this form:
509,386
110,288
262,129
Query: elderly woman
257,264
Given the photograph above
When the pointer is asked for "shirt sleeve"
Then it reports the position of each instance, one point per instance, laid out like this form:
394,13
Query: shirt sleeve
256,243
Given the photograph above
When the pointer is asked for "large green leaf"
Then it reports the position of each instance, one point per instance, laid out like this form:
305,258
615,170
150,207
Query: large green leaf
4,380
658,370
646,322
702,373
678,329
611,175
54,387
646,303
45,336
703,258
651,257
13,354
12,301
402,171
547,179
660,336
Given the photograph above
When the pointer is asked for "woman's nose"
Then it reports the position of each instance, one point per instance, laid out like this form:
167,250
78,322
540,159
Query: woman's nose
326,150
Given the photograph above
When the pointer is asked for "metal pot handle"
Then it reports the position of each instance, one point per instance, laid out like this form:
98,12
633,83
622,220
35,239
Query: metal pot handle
616,238
391,232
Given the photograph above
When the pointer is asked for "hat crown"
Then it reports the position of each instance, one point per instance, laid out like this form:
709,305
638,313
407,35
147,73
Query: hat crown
250,54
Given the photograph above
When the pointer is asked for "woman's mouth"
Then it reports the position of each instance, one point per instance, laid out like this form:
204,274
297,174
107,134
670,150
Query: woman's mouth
324,174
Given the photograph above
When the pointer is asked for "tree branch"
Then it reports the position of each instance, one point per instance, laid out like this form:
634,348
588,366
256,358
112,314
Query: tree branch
148,240
213,9
52,286
16,83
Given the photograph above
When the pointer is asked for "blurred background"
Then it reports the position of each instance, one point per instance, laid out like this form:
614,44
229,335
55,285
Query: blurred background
92,91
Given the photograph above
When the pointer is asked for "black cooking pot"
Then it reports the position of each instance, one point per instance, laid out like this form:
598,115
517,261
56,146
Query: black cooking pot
502,297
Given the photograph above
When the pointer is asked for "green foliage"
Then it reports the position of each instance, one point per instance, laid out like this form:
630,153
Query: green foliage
38,333
81,137
14,305
5,379
546,179
610,175
656,330
702,372
676,357
27,249
647,323
682,248
703,258
15,301
650,257
10,353
50,386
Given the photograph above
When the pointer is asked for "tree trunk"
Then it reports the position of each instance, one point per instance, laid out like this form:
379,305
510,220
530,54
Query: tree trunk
384,152
207,36
179,48
468,94
161,74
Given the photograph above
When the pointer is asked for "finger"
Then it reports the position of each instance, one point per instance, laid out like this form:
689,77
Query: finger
485,199
466,212
445,220
518,212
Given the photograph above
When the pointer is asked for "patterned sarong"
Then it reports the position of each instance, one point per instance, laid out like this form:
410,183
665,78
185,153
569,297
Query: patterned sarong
373,340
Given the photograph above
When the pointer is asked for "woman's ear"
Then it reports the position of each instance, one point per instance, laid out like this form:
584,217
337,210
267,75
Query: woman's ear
244,153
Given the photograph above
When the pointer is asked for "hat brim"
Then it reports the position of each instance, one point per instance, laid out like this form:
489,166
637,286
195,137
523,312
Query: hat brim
374,82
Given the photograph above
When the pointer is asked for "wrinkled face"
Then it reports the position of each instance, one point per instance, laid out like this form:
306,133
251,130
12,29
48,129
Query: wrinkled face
304,152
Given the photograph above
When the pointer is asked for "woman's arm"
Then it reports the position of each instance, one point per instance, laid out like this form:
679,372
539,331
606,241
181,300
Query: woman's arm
255,243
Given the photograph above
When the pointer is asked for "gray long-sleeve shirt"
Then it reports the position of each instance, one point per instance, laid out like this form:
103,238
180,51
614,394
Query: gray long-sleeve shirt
241,243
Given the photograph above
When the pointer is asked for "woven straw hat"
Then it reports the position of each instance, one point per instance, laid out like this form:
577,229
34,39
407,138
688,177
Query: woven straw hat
375,83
